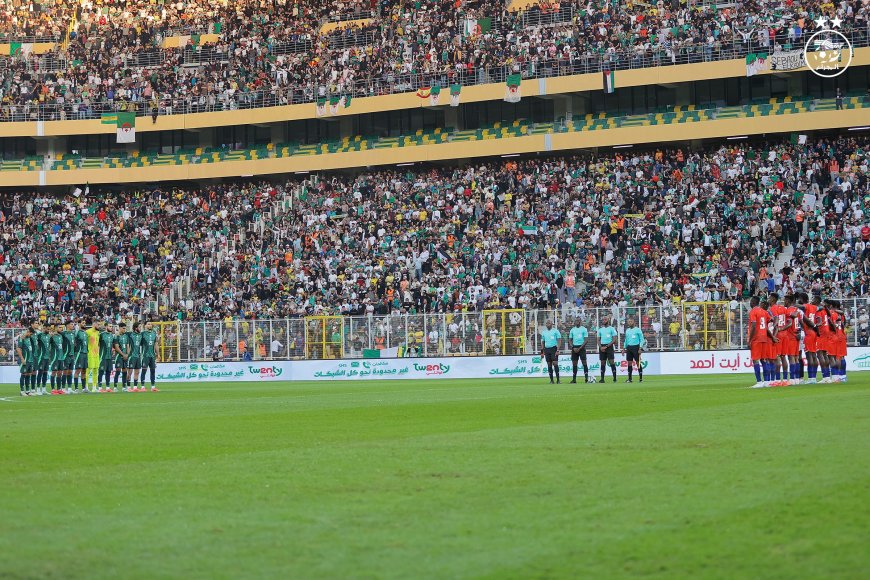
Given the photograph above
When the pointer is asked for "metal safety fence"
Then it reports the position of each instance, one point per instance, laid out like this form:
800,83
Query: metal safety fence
671,327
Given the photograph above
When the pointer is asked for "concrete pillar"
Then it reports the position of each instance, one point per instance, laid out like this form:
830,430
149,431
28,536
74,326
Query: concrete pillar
277,133
207,138
451,117
345,127
684,94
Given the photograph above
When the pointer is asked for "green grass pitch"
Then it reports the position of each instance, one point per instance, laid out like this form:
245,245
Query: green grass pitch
674,477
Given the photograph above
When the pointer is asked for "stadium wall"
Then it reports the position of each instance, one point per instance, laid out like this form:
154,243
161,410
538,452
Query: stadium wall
712,129
528,366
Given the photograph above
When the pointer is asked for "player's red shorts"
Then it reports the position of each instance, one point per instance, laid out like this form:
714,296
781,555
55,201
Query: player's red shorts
758,350
838,347
811,341
788,345
823,344
772,350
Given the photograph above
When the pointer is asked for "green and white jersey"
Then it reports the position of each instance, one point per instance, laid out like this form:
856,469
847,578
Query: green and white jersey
135,345
69,342
122,341
81,339
149,341
44,341
26,346
57,350
107,339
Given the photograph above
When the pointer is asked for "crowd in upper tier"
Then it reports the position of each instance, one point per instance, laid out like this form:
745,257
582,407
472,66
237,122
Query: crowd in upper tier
109,54
651,227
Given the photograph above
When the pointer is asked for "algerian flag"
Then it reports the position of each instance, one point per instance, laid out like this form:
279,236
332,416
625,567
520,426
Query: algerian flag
21,49
434,95
512,92
755,63
321,106
477,27
345,101
125,124
455,91
381,353
609,81
334,104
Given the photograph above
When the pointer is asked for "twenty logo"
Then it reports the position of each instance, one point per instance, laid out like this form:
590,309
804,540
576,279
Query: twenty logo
436,369
862,362
266,372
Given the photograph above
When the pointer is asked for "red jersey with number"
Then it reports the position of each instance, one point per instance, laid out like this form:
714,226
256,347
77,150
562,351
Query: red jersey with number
794,322
824,327
778,312
810,316
761,318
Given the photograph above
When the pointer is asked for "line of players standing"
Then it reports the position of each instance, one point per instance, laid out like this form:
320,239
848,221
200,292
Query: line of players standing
774,340
72,357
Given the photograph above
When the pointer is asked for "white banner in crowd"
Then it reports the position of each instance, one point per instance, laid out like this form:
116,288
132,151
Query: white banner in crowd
666,363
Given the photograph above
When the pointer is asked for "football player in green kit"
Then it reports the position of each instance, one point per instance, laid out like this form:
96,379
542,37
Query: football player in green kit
69,338
80,359
43,352
24,350
121,350
134,363
107,340
149,357
57,357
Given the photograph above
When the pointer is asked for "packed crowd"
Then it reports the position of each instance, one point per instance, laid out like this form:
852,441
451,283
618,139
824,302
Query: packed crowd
564,232
271,52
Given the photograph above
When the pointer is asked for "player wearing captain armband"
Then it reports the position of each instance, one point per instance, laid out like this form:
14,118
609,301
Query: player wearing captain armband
634,344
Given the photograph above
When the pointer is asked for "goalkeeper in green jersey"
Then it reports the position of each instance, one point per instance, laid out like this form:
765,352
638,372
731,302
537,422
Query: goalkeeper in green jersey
107,340
149,357
121,351
134,363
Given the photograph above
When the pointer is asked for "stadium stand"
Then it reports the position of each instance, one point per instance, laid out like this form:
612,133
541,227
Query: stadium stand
212,55
634,227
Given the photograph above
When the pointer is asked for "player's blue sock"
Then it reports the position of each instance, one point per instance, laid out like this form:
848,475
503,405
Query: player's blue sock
795,371
826,372
843,368
776,372
766,370
757,368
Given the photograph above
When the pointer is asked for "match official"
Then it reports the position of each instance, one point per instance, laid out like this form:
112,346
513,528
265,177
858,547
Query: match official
634,343
550,337
578,336
607,345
